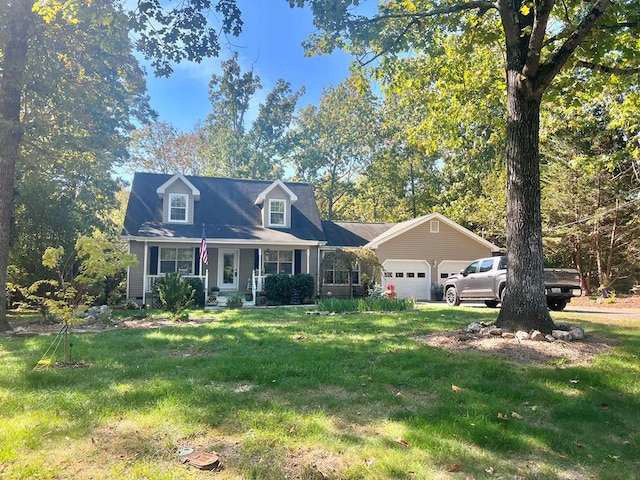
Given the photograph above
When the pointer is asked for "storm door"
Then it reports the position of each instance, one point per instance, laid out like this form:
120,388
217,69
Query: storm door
228,269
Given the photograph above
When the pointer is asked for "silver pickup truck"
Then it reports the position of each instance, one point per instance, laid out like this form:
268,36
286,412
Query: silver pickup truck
484,280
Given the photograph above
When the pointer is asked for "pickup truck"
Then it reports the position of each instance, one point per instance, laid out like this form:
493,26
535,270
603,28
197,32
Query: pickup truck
485,280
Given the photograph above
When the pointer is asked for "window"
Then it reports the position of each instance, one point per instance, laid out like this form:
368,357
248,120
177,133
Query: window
486,265
176,260
278,261
341,277
434,226
276,213
178,204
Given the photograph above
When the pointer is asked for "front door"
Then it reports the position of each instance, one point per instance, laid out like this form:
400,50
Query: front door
228,269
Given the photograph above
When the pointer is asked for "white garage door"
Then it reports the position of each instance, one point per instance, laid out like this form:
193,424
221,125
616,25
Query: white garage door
412,278
450,267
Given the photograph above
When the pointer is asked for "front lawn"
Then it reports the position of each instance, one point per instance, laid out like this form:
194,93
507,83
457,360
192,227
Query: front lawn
282,394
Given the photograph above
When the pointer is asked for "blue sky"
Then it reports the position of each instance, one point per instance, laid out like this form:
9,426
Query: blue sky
271,45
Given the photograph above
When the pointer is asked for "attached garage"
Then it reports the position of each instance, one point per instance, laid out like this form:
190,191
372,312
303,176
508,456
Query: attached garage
446,268
412,278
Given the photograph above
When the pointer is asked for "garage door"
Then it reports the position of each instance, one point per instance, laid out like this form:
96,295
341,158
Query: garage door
451,267
412,278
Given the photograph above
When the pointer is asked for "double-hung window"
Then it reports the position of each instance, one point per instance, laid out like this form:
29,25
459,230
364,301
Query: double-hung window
278,261
176,260
178,207
277,213
333,276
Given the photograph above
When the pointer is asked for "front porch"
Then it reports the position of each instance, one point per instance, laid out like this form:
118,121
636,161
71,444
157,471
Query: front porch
229,269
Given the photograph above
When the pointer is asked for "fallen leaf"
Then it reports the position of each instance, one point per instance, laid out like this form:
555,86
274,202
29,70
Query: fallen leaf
502,416
455,467
489,470
604,406
516,415
400,395
456,389
370,461
402,442
574,380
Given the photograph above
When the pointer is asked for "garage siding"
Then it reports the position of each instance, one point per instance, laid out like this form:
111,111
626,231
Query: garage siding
420,244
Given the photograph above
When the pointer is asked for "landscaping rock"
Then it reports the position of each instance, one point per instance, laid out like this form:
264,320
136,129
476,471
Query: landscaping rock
475,327
562,335
537,336
577,333
522,335
508,335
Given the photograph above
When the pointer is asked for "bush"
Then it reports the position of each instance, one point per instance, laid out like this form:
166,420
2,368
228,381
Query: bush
197,285
278,288
282,287
235,300
305,285
175,295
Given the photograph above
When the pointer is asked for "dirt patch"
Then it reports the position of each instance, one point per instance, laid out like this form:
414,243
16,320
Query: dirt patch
523,351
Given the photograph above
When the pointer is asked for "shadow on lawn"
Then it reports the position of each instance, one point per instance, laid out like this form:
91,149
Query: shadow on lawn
345,377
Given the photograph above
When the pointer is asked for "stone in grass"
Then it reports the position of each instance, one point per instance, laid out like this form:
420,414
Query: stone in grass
562,335
537,336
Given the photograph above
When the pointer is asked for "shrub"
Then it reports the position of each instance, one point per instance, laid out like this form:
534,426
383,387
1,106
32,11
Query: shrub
278,288
235,300
175,294
305,285
197,285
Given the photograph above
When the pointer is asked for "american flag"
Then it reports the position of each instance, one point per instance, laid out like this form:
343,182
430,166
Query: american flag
203,248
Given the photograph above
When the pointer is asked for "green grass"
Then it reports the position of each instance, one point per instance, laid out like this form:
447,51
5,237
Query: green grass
281,394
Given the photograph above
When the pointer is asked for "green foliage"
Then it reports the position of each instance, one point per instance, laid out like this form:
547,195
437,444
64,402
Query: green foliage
230,149
198,287
279,288
367,304
235,300
175,294
305,285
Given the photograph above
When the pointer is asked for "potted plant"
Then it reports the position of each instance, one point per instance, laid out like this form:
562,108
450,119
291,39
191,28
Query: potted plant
437,291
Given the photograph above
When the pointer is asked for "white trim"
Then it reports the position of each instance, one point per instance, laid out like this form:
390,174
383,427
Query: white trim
284,213
278,183
236,260
178,176
403,227
186,208
226,241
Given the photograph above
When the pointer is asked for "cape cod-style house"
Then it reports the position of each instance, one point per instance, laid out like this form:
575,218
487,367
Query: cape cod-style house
253,228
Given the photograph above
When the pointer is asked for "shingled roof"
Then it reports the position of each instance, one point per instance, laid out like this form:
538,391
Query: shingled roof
353,234
226,208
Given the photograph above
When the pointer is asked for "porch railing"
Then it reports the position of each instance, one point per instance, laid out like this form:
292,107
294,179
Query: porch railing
150,281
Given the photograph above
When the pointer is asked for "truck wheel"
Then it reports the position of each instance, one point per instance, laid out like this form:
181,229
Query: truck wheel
556,304
451,296
491,303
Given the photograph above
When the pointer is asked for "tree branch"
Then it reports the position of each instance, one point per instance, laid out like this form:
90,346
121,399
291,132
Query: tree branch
547,73
482,5
536,41
607,69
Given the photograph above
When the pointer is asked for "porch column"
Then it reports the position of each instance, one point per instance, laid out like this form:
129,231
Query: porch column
144,273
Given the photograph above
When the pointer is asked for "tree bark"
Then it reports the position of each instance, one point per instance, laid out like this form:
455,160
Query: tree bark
11,129
524,306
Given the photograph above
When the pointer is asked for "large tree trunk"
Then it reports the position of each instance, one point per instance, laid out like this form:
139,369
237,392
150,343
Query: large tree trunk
11,129
525,305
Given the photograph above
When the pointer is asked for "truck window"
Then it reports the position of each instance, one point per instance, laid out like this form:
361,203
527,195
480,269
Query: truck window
503,263
486,265
473,268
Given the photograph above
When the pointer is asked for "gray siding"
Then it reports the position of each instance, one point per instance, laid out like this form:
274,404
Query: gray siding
177,186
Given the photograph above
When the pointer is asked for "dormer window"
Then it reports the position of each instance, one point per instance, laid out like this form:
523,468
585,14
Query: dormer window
178,206
277,213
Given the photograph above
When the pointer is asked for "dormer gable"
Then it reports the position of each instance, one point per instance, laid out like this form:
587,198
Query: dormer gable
276,201
178,198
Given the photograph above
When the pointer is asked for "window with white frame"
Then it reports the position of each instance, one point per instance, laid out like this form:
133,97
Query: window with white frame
278,261
176,260
434,226
178,207
277,213
333,276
